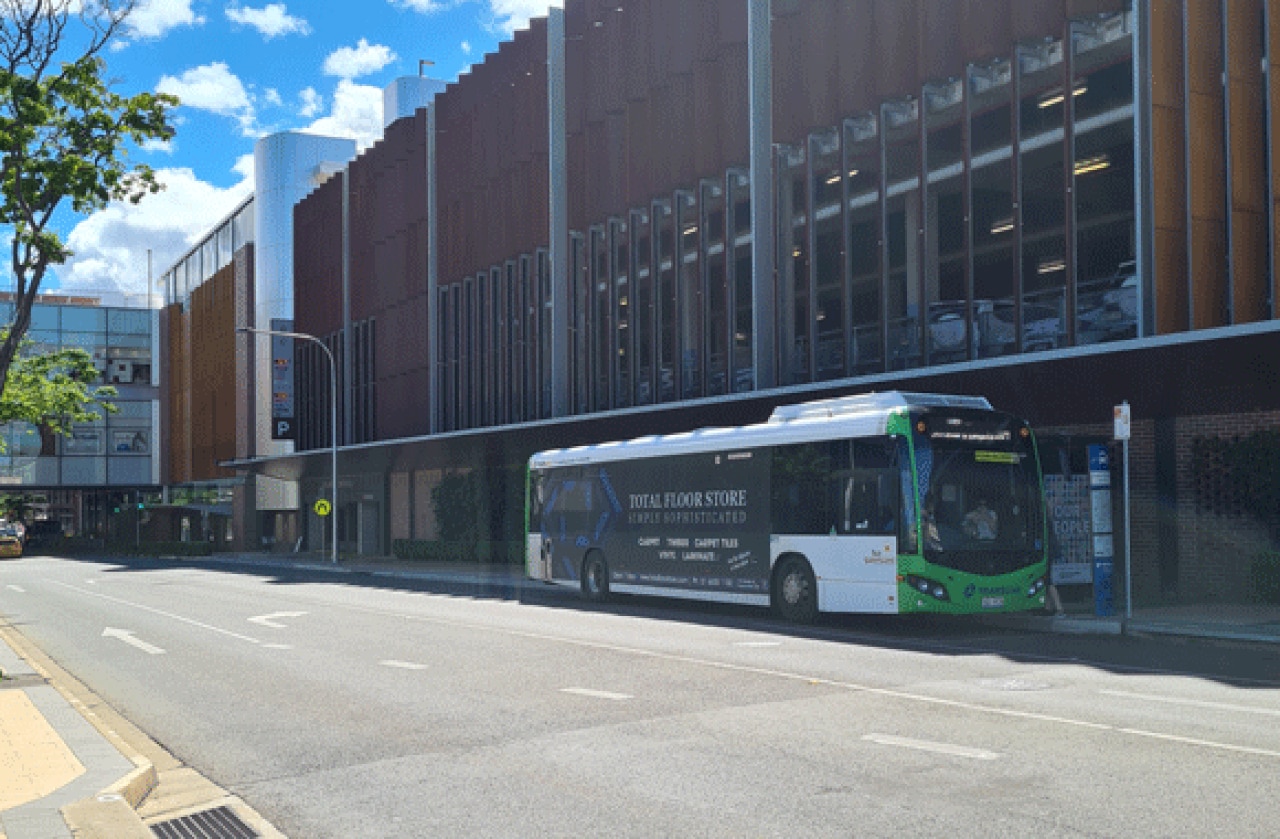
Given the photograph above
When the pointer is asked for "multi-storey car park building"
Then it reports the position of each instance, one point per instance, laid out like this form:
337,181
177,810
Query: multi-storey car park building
641,217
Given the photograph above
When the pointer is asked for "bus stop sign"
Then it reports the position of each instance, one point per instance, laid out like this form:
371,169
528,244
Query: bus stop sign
323,507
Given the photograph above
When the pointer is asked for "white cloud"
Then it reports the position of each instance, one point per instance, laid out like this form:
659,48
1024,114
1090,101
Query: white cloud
157,146
152,19
362,59
312,103
466,47
510,15
424,6
214,88
272,97
273,20
356,113
111,245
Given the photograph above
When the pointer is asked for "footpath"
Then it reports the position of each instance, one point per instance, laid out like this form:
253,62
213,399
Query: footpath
72,768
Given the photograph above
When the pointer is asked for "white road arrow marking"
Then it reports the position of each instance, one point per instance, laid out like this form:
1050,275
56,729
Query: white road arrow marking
269,620
127,636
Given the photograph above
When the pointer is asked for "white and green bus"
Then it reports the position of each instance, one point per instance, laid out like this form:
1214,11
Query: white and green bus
879,503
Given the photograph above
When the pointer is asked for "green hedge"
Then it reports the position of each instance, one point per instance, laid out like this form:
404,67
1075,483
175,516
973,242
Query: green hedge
1265,577
438,550
79,545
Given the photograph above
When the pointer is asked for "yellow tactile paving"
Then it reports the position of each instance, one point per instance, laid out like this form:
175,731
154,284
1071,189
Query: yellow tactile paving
34,761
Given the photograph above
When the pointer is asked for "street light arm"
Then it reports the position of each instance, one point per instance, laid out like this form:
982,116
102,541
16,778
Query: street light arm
333,414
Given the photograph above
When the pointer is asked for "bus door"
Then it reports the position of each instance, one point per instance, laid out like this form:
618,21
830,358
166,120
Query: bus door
837,503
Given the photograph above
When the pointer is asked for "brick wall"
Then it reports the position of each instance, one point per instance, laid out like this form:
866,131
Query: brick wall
1214,547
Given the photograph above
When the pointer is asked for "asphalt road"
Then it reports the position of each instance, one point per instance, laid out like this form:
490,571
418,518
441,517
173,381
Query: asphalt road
364,707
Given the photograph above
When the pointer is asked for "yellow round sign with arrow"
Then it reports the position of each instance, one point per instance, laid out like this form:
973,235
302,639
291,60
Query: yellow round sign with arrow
323,507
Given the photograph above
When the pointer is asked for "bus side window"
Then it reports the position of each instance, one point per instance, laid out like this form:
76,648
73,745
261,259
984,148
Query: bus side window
800,502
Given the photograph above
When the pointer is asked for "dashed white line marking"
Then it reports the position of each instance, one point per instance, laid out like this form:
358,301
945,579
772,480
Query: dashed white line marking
931,746
1193,703
18,589
403,665
757,644
597,694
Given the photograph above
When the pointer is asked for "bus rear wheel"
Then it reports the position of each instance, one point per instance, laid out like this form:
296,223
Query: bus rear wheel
595,577
795,591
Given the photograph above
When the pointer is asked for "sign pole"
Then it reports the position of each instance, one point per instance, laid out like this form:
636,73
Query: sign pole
1123,422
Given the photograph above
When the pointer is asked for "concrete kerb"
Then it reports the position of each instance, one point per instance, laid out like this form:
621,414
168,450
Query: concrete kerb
110,813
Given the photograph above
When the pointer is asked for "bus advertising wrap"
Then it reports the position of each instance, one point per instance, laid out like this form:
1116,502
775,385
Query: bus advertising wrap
703,528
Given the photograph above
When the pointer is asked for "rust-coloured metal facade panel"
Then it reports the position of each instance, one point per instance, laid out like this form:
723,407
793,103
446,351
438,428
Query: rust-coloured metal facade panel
317,259
201,422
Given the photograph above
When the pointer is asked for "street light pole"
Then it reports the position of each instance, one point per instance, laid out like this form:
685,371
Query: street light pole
333,417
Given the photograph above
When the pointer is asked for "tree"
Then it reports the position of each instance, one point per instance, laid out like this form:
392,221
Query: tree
64,135
54,391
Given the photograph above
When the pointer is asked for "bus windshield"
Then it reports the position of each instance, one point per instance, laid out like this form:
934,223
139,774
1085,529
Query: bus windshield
981,509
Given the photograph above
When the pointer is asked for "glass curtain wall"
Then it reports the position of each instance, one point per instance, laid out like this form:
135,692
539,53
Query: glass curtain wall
666,310
716,282
690,295
1042,170
738,204
902,222
827,272
1103,181
861,155
991,195
620,252
579,318
792,175
643,311
602,329
948,319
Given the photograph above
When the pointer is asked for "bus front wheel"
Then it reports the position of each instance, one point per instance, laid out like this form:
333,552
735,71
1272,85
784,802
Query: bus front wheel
795,591
595,578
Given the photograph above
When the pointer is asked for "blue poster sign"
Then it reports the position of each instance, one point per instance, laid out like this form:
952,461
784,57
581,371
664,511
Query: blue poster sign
1103,547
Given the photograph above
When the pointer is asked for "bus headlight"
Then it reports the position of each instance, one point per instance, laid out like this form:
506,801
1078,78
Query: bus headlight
933,588
1036,588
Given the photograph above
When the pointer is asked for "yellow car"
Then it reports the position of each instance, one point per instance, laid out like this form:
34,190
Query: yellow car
10,543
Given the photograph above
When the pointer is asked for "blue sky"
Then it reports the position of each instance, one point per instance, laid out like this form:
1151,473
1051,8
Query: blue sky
246,68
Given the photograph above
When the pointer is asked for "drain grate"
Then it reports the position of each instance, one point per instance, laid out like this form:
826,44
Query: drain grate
218,823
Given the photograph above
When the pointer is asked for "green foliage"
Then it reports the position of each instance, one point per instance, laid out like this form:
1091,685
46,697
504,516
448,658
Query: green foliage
54,391
1240,475
424,550
1264,575
87,546
64,135
456,501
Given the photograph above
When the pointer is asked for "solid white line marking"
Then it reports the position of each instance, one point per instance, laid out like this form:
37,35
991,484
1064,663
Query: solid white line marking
18,589
930,746
269,620
127,636
1192,741
162,613
597,694
403,665
1193,703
